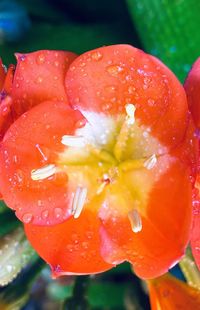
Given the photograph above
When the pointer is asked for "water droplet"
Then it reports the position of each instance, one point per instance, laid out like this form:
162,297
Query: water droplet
89,234
40,59
27,218
39,80
131,90
97,56
58,212
56,63
151,102
106,106
85,245
20,176
110,89
45,214
114,70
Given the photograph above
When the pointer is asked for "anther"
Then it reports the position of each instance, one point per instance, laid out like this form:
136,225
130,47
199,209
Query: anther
150,162
74,141
135,220
79,201
130,111
43,173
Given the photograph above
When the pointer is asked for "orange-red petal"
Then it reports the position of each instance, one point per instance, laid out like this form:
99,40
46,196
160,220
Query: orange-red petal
192,88
106,79
166,222
39,76
169,293
72,247
195,234
32,142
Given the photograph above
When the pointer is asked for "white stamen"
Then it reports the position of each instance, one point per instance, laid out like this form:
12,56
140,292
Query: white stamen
135,220
130,110
150,162
74,141
79,201
43,173
41,152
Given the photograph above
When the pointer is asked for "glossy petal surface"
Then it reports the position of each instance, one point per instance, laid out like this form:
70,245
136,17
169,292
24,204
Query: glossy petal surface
33,142
168,293
72,247
192,88
106,79
121,161
165,215
195,235
39,76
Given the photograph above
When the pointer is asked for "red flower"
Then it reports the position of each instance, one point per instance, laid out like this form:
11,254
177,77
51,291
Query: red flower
169,293
101,170
192,88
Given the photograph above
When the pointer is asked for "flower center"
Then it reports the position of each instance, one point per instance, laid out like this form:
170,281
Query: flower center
107,163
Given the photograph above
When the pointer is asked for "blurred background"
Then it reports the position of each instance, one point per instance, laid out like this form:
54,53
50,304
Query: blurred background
168,29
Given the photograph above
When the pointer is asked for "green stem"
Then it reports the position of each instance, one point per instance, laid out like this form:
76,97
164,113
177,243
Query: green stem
190,270
79,300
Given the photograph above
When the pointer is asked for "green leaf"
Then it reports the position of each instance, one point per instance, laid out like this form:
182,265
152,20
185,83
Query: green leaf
169,30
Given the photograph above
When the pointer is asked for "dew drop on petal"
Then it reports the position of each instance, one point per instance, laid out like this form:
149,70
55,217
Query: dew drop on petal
131,90
40,59
27,218
114,70
151,102
58,212
96,55
45,214
39,80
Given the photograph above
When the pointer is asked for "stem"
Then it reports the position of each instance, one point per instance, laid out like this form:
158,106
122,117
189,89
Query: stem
190,270
79,299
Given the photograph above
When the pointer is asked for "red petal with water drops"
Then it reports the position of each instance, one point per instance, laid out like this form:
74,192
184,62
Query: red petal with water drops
34,142
6,117
158,240
195,235
192,88
106,79
169,293
39,76
72,247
